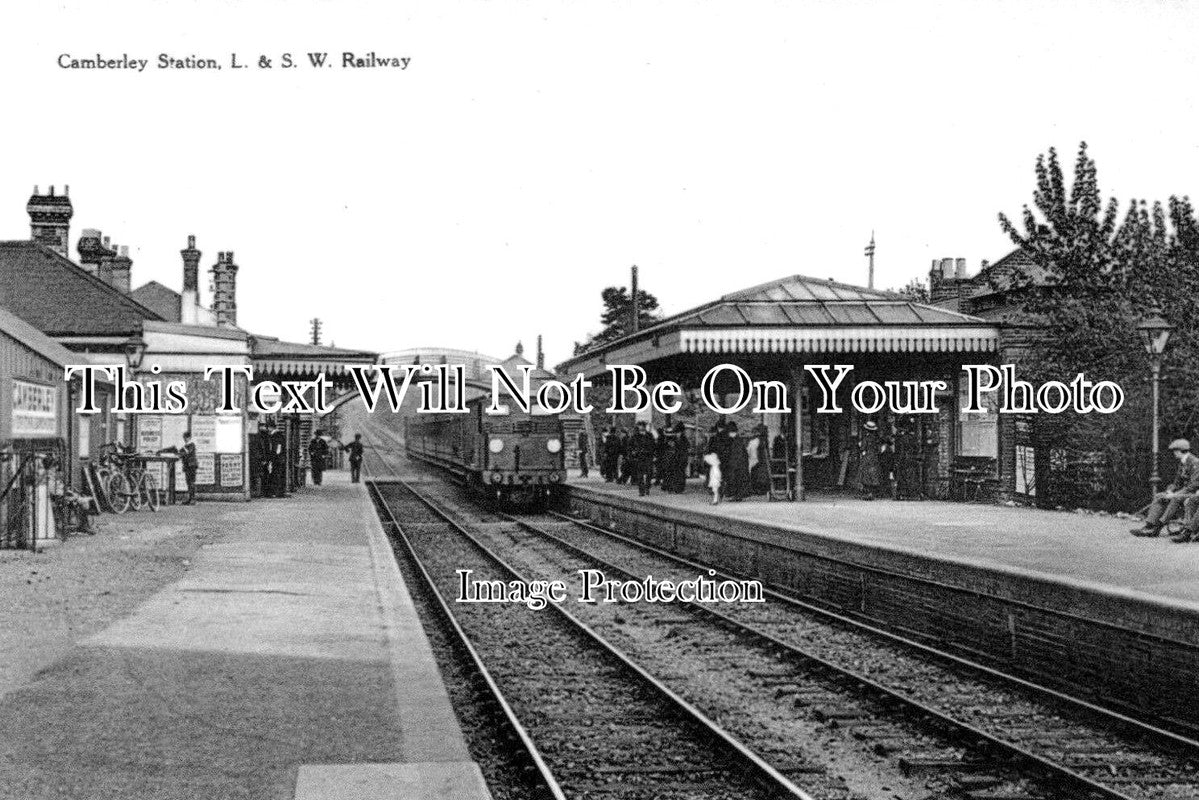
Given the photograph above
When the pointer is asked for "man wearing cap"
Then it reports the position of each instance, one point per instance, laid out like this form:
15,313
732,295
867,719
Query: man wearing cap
1180,494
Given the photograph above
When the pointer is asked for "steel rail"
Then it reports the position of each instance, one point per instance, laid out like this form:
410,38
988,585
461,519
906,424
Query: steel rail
1108,714
1057,772
522,734
766,773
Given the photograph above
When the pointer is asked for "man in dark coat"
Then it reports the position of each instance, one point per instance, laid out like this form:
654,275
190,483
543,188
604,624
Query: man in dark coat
622,449
735,468
266,460
584,447
641,456
278,456
611,454
869,468
661,452
318,452
675,479
355,448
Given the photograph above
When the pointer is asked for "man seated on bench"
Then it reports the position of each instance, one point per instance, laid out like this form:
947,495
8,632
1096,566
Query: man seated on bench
1182,493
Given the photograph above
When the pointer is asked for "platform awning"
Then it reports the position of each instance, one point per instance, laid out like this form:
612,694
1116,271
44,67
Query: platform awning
798,314
858,339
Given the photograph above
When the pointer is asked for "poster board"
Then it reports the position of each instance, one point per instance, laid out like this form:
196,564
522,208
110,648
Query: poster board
205,469
232,474
204,432
227,434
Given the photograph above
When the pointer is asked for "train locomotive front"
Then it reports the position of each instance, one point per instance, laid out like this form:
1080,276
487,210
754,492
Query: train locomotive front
517,458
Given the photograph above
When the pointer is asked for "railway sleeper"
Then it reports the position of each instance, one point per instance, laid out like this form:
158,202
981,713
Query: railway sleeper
911,765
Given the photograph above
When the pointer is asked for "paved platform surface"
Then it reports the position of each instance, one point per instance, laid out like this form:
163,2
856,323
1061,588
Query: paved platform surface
286,661
1093,551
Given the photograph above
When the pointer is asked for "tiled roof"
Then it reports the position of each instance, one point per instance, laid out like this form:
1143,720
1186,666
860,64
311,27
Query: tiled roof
276,358
1017,267
35,340
162,300
800,300
797,301
269,347
60,298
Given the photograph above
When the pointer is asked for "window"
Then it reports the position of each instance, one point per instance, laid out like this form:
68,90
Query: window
978,434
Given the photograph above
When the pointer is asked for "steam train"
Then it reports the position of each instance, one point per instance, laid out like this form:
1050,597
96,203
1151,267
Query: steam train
516,458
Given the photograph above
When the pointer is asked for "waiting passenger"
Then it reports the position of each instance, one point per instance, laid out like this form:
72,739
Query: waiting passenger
354,448
1180,494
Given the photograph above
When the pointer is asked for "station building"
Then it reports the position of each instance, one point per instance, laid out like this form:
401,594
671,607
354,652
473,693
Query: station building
90,309
773,330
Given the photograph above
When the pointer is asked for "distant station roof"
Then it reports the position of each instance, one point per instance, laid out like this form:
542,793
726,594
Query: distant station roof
798,314
60,298
38,342
286,359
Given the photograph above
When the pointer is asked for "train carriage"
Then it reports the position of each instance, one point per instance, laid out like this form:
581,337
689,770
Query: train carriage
517,458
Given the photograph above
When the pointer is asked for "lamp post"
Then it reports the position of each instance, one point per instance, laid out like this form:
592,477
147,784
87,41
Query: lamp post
1155,335
135,349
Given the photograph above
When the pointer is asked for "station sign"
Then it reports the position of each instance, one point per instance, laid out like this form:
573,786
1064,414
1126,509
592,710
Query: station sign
34,409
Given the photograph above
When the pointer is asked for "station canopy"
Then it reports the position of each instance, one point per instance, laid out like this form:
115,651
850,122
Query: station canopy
797,314
274,359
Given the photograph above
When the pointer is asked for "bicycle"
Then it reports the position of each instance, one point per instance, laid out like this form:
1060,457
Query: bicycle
125,481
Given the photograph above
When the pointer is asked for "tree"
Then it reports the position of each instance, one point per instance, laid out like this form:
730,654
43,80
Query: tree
617,316
1099,276
916,290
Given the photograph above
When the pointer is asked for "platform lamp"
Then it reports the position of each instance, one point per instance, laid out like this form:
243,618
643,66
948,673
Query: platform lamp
1155,335
135,350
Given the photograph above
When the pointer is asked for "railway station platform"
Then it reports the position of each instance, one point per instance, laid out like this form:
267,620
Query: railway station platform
287,661
1071,596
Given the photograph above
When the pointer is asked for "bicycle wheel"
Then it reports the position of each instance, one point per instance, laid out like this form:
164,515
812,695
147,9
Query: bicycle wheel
118,492
136,498
149,487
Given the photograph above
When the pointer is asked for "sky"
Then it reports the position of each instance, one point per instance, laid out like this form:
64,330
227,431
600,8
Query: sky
533,151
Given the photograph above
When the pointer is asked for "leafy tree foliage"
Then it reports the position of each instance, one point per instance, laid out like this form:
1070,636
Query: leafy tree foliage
1098,275
915,290
617,316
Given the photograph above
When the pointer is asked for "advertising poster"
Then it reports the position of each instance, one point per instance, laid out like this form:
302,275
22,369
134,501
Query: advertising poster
203,428
205,470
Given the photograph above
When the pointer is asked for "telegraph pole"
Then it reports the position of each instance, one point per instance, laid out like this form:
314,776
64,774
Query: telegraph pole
635,323
870,255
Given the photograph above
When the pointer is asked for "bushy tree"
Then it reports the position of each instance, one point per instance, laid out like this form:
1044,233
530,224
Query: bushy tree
617,316
1098,275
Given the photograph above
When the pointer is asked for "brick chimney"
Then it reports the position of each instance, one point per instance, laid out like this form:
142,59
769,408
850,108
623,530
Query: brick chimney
50,219
108,255
92,250
190,301
224,289
120,271
948,283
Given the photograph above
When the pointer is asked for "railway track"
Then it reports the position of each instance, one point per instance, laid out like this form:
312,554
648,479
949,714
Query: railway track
1091,752
594,724
939,722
